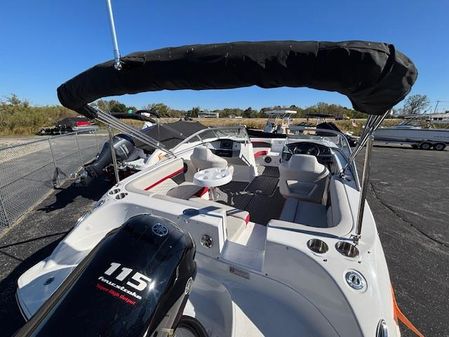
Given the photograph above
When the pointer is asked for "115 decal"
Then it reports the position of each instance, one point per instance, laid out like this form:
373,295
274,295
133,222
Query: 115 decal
136,280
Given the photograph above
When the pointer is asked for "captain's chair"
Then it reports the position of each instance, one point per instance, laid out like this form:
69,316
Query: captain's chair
203,158
302,177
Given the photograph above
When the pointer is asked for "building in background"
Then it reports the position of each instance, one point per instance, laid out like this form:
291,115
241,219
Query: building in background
208,114
437,118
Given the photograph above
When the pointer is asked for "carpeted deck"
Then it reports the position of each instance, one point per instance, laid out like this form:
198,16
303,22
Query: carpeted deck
261,197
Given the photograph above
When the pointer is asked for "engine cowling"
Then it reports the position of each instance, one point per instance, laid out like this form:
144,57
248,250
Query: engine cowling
135,282
124,150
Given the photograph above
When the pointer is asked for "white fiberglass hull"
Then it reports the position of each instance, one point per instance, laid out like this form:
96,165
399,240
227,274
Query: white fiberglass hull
265,281
417,135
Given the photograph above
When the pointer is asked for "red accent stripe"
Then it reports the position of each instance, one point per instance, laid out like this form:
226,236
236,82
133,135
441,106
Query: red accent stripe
202,191
174,174
260,154
247,219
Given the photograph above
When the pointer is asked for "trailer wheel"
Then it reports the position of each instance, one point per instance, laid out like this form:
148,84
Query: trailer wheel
439,146
425,146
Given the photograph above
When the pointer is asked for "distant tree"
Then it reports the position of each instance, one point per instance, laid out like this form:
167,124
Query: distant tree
116,106
250,113
159,108
164,110
193,113
14,100
415,104
111,105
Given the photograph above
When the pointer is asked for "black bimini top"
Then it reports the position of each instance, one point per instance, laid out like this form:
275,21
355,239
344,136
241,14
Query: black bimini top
374,76
170,134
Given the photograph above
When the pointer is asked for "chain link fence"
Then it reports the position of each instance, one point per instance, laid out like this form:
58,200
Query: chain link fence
29,171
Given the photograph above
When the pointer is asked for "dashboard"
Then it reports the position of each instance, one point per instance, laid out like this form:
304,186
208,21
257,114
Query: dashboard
226,148
321,152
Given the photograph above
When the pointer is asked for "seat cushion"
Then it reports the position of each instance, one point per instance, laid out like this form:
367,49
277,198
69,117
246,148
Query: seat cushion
302,177
185,191
304,213
203,158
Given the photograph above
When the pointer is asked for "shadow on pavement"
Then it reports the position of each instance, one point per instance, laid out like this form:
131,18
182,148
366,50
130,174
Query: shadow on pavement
67,195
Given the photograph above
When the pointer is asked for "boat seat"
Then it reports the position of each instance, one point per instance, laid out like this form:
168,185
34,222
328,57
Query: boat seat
304,213
303,178
203,158
301,215
186,190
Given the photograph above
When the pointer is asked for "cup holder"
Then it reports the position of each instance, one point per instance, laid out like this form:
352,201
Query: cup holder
346,249
121,195
317,246
114,191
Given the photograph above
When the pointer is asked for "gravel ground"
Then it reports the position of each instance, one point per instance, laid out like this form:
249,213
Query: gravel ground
409,195
34,144
27,172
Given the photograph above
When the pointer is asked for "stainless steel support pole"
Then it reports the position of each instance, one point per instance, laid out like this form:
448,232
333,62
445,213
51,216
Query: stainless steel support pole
97,145
364,190
56,171
79,149
114,157
117,63
52,153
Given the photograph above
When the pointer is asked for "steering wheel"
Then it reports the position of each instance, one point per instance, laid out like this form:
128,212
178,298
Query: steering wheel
307,148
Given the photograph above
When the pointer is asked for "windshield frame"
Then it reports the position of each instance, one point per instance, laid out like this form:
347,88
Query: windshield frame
237,133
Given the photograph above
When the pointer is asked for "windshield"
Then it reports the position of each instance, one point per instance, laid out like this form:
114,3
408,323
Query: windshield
237,133
334,137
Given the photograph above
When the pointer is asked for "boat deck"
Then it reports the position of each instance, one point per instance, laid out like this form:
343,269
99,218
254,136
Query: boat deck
260,198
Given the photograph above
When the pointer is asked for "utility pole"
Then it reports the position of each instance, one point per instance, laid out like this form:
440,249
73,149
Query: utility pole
436,106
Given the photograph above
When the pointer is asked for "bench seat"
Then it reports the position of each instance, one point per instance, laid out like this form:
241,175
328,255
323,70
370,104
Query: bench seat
304,213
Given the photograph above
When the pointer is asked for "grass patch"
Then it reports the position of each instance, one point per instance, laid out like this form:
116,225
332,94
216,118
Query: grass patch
19,118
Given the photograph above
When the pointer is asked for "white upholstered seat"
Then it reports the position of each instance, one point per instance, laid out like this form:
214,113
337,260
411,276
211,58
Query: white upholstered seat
203,158
302,177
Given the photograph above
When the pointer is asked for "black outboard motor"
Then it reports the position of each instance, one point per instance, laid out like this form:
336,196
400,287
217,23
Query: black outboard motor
135,282
124,149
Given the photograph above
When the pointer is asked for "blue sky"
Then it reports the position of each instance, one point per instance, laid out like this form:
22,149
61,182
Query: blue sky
44,43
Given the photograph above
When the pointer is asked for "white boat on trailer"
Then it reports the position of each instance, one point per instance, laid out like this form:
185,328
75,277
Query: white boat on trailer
287,249
409,133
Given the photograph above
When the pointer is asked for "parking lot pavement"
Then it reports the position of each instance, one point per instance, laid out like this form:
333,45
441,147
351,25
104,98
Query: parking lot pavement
409,195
